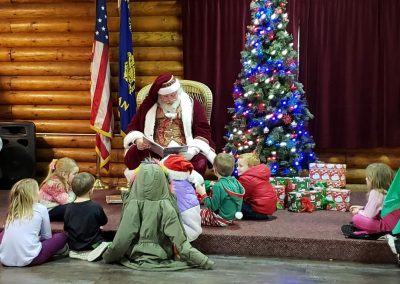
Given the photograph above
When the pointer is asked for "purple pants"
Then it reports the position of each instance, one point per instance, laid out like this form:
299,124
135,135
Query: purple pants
49,247
377,225
134,157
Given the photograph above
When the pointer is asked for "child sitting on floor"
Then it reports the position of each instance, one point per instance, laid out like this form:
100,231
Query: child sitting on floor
367,219
55,190
150,227
179,171
225,204
260,199
83,218
27,239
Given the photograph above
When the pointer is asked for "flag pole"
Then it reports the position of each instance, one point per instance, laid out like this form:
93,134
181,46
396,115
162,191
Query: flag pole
98,183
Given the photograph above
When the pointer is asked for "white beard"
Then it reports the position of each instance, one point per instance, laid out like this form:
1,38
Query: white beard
170,109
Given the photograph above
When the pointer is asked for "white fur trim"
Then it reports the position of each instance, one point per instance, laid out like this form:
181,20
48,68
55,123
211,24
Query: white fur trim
196,178
150,122
191,221
205,149
239,215
170,89
129,174
130,138
176,175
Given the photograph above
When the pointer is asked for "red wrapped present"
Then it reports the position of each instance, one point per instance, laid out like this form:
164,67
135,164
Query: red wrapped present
333,174
337,199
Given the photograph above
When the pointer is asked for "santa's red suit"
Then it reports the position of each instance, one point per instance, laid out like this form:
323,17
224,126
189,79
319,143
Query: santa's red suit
196,129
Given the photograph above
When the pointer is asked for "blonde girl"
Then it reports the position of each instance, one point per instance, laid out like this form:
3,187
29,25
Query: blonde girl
367,218
55,190
259,200
27,239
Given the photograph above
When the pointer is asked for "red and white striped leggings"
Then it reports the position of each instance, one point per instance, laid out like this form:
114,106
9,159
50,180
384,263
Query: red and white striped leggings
209,218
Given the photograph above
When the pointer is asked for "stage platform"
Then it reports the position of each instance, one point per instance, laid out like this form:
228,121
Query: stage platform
315,236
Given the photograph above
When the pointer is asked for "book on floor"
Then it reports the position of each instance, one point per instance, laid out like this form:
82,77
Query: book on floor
114,199
172,148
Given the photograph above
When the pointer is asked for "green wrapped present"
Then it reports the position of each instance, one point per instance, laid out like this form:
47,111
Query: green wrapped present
301,183
304,201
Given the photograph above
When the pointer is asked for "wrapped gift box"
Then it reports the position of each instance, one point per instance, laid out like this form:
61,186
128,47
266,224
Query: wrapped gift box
333,174
281,195
337,199
298,200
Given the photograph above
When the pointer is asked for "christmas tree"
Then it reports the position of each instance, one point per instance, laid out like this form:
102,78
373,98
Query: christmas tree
270,111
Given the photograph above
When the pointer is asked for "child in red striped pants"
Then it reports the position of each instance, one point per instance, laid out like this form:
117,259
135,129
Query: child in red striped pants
227,195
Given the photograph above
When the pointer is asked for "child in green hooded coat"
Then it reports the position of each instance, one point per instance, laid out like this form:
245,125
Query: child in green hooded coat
150,226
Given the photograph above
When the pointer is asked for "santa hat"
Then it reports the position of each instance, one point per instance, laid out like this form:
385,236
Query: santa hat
178,167
163,85
171,86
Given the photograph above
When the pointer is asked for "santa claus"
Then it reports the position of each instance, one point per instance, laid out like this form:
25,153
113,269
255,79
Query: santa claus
168,115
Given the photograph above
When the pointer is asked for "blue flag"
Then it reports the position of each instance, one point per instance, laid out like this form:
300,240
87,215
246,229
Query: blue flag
126,97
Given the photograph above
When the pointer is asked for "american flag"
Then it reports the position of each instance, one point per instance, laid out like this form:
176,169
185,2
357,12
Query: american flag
102,119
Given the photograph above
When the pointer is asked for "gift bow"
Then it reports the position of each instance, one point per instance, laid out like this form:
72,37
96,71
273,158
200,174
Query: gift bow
322,184
325,202
306,205
289,186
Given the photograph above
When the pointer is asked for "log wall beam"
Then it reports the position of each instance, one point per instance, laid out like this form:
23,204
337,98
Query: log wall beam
82,39
78,24
68,9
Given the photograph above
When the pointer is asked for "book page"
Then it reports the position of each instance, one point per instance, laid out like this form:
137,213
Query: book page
155,147
173,148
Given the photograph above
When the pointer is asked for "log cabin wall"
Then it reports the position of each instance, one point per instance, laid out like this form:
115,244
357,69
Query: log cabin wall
45,56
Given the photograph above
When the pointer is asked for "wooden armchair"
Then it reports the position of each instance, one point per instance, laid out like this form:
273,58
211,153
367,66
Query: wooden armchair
195,90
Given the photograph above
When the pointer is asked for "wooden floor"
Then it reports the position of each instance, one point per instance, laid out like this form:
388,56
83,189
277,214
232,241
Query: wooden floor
228,269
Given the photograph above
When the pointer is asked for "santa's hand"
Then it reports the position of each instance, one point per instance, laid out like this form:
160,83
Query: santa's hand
191,152
141,144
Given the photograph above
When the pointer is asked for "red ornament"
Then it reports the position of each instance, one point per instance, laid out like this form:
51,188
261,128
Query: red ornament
287,119
293,87
261,108
253,79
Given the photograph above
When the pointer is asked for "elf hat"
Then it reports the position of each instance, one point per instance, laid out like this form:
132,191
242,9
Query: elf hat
178,167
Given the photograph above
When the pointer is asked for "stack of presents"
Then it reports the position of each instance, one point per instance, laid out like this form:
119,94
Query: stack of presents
324,189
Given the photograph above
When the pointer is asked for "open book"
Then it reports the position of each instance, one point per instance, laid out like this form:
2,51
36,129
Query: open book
172,148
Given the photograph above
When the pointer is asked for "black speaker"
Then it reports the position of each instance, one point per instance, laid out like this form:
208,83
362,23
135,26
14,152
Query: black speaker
18,155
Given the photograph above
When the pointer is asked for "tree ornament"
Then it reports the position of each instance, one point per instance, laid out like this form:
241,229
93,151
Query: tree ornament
287,119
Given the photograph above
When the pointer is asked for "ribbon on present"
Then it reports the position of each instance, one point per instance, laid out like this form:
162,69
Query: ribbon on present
324,201
322,184
306,205
289,186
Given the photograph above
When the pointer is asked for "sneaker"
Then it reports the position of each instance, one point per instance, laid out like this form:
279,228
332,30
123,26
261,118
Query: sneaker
98,252
391,242
63,252
347,230
83,255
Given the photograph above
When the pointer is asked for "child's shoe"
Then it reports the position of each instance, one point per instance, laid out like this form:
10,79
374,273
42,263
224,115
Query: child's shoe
63,252
98,252
394,245
83,255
